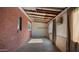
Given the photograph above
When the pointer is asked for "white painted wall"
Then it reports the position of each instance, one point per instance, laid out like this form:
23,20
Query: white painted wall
62,32
62,28
50,28
39,29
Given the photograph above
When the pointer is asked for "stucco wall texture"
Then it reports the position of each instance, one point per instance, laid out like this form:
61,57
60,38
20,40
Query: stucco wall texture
10,39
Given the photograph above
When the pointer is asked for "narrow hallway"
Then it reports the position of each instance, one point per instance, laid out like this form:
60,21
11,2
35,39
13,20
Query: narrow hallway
35,29
37,45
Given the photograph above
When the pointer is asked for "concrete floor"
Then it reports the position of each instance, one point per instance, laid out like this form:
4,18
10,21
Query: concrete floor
37,45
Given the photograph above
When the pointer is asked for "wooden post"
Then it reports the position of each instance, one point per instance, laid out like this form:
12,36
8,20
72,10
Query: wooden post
54,31
68,32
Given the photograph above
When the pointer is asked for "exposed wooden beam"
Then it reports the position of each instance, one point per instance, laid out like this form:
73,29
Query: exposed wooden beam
40,19
43,14
30,10
61,13
58,8
40,15
39,22
43,11
47,11
65,9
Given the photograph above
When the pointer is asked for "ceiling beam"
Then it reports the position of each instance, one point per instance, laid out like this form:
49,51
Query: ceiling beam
30,10
41,19
49,9
66,8
43,11
58,8
41,15
39,22
48,12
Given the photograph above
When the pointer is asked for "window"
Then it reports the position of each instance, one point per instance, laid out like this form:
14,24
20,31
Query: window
29,26
19,24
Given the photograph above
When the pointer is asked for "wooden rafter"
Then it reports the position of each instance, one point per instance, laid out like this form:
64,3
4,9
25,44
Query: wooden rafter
43,14
48,11
43,11
58,8
40,15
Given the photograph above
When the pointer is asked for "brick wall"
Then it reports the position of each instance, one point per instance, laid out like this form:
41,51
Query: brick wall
10,39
